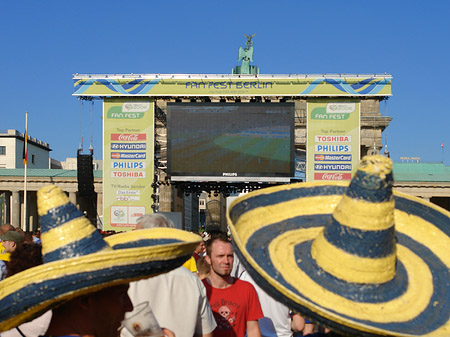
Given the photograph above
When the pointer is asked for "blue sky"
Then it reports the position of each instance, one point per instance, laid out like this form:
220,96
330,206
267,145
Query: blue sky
43,43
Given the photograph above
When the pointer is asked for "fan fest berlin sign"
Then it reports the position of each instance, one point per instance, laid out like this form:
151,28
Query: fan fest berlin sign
128,148
231,85
333,143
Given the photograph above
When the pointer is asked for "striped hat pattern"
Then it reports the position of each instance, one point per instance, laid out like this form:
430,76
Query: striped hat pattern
358,258
78,261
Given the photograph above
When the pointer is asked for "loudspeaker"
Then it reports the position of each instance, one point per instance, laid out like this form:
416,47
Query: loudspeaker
85,175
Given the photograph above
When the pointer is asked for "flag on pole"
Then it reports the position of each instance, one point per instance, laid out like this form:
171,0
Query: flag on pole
442,145
25,145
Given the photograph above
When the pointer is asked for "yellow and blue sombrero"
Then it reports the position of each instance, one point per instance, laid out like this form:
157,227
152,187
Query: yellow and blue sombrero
358,258
78,261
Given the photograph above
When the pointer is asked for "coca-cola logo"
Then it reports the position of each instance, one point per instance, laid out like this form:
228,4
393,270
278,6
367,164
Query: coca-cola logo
332,176
128,137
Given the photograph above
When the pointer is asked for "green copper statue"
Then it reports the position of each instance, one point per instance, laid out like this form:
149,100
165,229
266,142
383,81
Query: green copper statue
246,55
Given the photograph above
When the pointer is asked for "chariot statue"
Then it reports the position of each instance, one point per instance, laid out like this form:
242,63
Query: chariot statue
246,55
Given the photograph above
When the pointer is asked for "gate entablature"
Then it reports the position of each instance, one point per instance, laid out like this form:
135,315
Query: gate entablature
166,85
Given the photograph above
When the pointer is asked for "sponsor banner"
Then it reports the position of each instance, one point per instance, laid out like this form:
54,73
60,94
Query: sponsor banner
128,155
128,146
232,85
333,157
128,137
333,135
333,167
128,164
332,176
127,161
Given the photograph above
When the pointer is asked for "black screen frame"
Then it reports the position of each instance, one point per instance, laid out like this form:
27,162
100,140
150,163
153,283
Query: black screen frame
288,108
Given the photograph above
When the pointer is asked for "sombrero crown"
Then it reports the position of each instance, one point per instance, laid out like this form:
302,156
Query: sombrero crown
358,258
358,244
77,260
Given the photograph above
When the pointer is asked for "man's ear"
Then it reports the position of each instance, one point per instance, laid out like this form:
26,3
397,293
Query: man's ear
208,259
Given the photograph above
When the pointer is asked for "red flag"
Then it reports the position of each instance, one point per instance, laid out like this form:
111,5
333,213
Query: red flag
442,145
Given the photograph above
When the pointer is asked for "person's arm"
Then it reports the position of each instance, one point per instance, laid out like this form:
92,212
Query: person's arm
253,329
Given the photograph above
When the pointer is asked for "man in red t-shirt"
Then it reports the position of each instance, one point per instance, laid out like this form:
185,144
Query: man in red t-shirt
234,302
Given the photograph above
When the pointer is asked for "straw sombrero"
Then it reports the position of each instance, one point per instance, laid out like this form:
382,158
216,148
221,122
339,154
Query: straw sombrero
77,260
358,258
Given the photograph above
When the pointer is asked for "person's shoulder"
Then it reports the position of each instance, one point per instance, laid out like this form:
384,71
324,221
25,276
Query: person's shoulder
181,271
244,285
187,276
241,282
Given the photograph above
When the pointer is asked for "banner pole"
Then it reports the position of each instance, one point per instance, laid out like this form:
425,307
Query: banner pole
25,225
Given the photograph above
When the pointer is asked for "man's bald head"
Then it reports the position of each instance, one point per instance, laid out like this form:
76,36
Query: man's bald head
155,220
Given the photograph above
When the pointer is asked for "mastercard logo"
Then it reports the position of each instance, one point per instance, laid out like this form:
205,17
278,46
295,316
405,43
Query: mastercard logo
115,155
319,157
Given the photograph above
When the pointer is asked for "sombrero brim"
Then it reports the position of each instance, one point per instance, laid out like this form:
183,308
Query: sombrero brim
135,255
273,230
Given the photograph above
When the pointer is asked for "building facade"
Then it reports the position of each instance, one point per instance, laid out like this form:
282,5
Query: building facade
12,193
12,144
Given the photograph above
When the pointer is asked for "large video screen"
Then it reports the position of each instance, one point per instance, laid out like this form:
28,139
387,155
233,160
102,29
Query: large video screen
230,141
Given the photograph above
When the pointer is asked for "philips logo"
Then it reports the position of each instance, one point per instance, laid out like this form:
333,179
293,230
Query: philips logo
333,148
128,165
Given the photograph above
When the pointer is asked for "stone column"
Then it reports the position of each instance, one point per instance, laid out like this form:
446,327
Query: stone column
213,212
15,209
165,195
100,204
33,222
73,197
7,207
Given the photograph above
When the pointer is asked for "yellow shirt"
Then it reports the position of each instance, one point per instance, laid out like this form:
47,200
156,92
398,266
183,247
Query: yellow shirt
191,265
3,255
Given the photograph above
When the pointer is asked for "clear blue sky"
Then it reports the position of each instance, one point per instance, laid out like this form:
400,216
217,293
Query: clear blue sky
42,43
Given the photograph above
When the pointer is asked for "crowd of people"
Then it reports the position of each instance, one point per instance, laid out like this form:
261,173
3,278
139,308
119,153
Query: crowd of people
13,238
77,281
209,295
